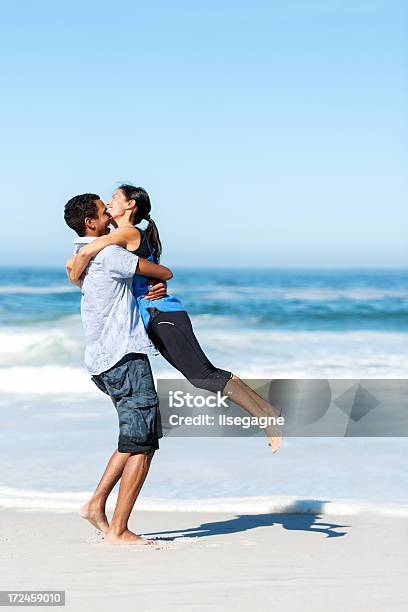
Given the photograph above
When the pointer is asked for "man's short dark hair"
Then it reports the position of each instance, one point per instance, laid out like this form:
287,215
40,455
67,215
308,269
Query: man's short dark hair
78,208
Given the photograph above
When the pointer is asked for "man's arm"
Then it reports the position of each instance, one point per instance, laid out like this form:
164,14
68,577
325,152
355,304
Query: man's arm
121,264
157,273
148,268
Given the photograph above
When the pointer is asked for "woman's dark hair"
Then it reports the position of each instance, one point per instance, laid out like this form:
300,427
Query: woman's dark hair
142,211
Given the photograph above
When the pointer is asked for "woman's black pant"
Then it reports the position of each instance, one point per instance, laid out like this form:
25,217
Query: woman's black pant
173,336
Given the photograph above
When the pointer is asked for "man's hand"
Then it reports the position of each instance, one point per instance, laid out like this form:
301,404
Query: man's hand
158,290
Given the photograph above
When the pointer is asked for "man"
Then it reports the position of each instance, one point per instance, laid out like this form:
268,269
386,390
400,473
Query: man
116,357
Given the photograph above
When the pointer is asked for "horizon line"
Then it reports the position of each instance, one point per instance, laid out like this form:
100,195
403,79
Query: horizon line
231,267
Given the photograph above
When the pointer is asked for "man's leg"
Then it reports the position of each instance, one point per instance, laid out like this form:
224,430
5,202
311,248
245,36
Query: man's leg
94,509
133,477
131,387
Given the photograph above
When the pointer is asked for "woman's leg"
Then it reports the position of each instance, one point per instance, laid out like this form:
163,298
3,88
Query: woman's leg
240,393
173,335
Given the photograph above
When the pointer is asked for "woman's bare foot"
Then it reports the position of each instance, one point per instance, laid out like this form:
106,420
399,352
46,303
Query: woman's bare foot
240,393
95,515
274,438
126,537
273,432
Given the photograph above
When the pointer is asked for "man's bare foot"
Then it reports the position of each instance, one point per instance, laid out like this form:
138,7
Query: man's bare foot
126,537
95,515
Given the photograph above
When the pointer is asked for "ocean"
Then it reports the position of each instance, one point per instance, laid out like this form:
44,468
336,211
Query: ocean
58,429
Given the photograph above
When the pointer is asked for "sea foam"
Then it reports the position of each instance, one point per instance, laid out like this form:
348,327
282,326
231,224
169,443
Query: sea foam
24,289
26,499
48,380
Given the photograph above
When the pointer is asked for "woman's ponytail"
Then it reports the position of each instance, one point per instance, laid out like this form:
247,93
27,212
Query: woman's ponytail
153,237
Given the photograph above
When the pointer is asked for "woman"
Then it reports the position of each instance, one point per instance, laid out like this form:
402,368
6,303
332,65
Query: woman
166,320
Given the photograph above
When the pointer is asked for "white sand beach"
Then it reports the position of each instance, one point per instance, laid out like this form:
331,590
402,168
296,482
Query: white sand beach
212,561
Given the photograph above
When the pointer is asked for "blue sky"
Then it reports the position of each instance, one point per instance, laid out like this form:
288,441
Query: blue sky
267,133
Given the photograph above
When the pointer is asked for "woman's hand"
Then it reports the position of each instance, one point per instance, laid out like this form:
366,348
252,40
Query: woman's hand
79,263
68,268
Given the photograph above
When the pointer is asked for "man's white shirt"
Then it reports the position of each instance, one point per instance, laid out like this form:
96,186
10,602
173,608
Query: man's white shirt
110,315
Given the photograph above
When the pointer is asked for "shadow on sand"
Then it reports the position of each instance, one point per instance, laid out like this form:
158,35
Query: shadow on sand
244,522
